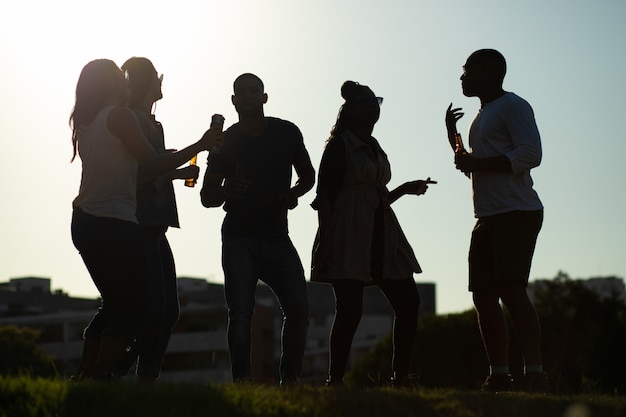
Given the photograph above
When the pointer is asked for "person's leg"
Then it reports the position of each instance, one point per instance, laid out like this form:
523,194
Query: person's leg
491,319
285,276
525,320
348,311
516,237
405,300
110,250
240,263
163,309
122,280
492,324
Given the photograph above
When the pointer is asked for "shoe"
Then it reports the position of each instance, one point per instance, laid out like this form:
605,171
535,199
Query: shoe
289,381
405,381
535,382
333,382
497,383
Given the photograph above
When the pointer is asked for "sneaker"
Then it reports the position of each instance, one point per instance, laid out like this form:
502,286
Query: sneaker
497,383
333,382
535,382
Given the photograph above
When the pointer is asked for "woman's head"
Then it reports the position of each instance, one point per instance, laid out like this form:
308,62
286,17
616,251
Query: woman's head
360,109
101,83
144,83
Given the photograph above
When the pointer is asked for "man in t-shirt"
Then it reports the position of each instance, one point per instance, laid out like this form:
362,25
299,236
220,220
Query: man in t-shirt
251,176
505,145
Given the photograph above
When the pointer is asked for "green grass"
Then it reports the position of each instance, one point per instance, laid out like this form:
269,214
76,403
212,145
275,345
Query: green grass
26,397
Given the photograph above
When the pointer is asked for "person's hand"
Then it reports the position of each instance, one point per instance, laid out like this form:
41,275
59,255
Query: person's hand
235,187
322,253
465,162
418,187
190,171
452,116
288,199
212,138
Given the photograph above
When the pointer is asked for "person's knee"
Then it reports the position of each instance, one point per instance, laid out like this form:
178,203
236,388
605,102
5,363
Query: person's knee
514,294
485,300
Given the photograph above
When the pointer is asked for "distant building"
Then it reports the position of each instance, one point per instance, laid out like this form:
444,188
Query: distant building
198,350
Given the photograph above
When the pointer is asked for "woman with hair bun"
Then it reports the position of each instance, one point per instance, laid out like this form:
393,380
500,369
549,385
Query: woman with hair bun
359,240
109,141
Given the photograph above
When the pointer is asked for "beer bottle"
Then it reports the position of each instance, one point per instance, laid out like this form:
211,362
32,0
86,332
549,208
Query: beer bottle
458,144
191,182
217,121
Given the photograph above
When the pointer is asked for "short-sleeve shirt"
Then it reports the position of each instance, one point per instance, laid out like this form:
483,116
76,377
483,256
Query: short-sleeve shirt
267,161
505,126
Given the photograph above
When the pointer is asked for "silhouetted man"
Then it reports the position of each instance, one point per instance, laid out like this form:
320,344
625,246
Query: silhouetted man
505,145
251,176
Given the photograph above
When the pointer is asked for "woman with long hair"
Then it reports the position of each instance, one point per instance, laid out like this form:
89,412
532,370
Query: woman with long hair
359,240
109,141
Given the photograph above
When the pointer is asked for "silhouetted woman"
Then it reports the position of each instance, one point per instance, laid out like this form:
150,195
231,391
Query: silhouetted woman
156,212
359,240
109,141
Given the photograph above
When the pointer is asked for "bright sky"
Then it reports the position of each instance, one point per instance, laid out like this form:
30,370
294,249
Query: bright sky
566,58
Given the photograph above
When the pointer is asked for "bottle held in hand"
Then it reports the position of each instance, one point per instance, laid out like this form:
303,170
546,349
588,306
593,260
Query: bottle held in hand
217,121
191,182
458,144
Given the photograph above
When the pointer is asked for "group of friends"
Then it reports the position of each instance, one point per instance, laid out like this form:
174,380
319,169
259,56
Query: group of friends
126,203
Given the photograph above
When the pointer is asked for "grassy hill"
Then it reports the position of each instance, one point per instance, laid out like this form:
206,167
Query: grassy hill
25,397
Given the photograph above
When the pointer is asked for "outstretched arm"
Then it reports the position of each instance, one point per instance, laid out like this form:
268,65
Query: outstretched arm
418,187
123,124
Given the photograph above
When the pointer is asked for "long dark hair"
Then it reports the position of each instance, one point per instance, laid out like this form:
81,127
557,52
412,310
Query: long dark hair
92,92
349,91
140,73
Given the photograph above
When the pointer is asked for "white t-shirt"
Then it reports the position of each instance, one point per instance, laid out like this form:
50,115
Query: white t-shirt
505,126
108,186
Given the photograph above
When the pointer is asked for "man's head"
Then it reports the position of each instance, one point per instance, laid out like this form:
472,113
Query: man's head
483,73
249,95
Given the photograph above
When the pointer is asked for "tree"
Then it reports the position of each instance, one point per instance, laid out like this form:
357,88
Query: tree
583,341
19,353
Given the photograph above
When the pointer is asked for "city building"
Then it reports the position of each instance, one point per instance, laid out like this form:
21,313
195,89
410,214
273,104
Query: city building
198,350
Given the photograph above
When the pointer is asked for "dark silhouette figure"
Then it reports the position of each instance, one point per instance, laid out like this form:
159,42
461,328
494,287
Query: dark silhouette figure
110,143
359,240
156,212
505,145
251,176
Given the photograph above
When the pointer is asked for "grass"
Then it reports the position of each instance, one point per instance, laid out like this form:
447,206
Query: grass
26,397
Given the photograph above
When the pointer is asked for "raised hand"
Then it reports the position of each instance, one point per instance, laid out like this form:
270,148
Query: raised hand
453,116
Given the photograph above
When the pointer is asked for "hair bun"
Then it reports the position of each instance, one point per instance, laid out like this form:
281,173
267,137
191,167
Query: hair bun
349,89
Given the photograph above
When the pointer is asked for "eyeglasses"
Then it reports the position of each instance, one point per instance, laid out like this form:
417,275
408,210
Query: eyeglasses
160,77
369,100
466,67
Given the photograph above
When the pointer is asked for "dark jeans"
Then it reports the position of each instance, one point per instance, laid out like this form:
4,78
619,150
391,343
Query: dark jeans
163,308
275,262
114,255
404,299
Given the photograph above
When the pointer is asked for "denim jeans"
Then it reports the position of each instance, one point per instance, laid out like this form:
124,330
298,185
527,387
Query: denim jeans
163,309
274,261
114,255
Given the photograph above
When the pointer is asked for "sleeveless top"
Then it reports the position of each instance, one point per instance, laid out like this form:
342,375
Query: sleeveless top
108,185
